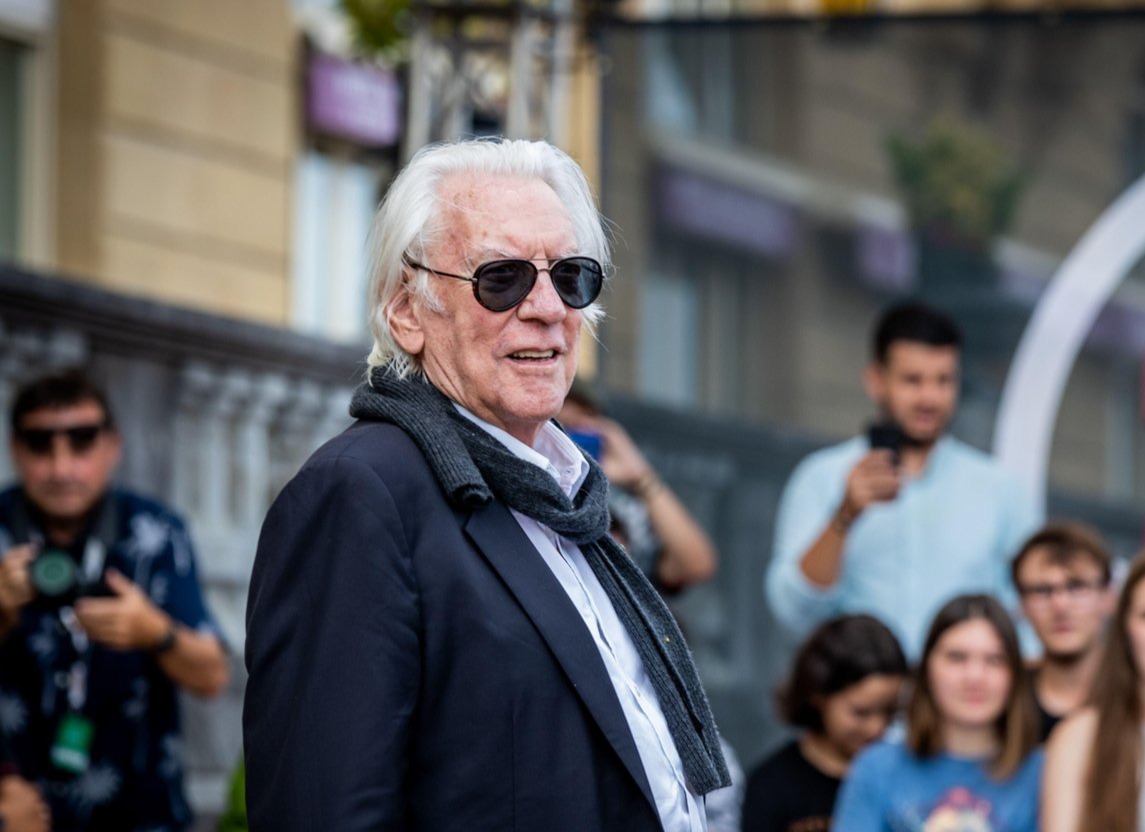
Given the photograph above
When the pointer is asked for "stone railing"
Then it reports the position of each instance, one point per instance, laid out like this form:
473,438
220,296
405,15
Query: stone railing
216,416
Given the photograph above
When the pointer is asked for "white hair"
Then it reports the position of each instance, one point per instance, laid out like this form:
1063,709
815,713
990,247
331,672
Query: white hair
411,215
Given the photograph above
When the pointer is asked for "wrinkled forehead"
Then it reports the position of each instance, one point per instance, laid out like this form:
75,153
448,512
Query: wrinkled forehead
500,215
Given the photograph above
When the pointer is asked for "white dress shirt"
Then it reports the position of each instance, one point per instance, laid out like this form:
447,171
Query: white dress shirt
678,807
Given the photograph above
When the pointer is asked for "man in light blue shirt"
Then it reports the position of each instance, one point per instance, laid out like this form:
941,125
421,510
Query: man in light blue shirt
897,533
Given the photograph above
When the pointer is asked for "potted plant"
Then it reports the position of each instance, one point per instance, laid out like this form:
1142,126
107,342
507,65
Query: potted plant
960,194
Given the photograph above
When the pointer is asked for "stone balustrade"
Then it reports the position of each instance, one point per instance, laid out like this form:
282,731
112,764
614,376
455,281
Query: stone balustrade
216,416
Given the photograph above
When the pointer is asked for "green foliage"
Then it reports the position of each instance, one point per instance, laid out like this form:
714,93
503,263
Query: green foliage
957,184
381,27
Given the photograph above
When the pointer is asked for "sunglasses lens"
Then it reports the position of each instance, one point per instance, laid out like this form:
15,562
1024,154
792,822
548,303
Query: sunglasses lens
82,439
37,441
503,284
578,280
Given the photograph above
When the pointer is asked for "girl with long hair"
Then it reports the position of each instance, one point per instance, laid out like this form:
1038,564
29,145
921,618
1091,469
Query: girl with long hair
843,692
1094,759
969,761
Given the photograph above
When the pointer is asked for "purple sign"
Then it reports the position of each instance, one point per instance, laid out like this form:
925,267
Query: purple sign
353,101
886,257
722,211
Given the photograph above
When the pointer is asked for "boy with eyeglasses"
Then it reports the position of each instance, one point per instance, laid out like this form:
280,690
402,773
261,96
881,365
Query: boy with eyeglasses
101,617
1062,574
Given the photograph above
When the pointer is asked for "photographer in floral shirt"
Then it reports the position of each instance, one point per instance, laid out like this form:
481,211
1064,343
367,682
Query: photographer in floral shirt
101,617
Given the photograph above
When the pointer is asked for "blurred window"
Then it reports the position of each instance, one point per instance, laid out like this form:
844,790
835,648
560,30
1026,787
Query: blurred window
335,198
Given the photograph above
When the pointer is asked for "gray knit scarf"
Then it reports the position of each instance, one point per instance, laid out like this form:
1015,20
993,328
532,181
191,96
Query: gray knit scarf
474,469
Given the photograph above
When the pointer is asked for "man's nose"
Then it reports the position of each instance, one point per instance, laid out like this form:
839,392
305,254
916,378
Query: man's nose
61,457
543,302
1059,598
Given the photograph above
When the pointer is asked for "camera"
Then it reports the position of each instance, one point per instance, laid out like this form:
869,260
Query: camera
56,578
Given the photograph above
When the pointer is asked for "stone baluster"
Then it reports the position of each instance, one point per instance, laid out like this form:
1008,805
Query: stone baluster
216,475
64,348
296,434
253,451
337,416
196,383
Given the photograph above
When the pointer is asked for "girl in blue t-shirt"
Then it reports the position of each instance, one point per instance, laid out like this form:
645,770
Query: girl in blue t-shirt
968,763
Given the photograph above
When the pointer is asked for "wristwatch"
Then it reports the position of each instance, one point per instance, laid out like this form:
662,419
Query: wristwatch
162,646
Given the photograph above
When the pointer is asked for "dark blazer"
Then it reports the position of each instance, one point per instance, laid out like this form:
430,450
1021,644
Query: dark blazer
414,666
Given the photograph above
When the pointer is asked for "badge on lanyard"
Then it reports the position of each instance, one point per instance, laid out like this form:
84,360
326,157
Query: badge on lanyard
72,749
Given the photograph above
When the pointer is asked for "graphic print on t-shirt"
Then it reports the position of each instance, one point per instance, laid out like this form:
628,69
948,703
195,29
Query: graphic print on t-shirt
959,810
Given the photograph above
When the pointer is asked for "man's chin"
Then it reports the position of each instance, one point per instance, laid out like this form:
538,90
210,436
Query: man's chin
1066,655
922,439
917,442
65,512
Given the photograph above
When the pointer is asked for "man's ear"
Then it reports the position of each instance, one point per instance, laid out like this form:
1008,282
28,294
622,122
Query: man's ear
405,322
115,447
873,381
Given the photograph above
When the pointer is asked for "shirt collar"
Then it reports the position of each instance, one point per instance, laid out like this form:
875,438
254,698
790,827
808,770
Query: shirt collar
937,457
553,451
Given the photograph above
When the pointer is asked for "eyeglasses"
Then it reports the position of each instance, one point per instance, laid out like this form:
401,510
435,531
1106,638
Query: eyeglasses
499,285
1074,590
81,438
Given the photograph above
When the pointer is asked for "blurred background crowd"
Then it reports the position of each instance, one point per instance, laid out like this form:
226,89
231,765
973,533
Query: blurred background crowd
186,190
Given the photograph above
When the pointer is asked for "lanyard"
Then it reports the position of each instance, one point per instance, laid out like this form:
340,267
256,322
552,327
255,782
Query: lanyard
95,554
77,675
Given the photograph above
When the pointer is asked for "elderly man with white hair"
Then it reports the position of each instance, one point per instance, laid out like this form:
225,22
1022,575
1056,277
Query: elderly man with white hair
441,633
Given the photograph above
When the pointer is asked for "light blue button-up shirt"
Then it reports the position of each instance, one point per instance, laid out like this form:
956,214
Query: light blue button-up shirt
951,530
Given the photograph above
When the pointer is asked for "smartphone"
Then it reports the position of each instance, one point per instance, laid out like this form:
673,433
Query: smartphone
887,435
589,441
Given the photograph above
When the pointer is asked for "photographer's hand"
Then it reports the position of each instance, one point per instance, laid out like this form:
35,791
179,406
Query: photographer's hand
687,555
129,621
15,585
874,479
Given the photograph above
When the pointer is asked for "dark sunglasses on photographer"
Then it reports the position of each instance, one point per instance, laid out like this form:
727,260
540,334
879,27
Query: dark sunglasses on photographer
499,285
81,438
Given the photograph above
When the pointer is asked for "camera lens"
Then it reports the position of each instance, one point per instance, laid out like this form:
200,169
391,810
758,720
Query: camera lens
53,573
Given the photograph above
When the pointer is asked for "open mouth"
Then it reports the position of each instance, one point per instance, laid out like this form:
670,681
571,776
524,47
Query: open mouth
533,355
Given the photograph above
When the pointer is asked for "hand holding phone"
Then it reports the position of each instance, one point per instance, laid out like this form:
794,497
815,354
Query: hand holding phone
886,435
875,478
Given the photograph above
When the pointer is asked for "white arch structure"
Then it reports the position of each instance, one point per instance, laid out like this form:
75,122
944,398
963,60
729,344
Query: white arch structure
1084,283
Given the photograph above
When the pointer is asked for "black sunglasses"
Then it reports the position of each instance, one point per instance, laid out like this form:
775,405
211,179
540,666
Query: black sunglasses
499,285
81,438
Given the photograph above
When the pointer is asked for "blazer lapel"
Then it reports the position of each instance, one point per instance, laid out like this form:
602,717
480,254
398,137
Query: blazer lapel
508,549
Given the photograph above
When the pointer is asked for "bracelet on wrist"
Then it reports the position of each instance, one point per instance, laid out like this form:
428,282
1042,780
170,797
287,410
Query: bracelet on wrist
167,642
843,519
648,485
